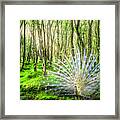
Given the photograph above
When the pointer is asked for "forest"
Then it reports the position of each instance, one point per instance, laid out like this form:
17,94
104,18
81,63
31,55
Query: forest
60,59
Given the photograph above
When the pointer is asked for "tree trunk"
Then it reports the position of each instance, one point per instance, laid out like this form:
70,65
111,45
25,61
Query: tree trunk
40,39
24,46
80,42
21,24
62,45
90,37
52,40
72,46
65,45
44,50
48,38
98,47
58,44
35,55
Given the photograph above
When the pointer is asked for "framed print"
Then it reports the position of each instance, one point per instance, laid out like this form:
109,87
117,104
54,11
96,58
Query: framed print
60,59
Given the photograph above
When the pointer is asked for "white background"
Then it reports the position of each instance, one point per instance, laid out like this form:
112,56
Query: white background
104,106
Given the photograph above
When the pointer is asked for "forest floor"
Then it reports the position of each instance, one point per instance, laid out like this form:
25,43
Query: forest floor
31,84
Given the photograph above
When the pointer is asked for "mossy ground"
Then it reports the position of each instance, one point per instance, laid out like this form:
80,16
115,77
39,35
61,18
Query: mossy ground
32,84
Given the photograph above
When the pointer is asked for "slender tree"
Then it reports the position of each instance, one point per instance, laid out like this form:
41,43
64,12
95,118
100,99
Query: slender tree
24,51
44,50
98,50
58,44
90,36
48,38
72,44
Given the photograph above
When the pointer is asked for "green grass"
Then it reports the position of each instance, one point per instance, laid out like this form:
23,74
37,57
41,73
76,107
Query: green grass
32,84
